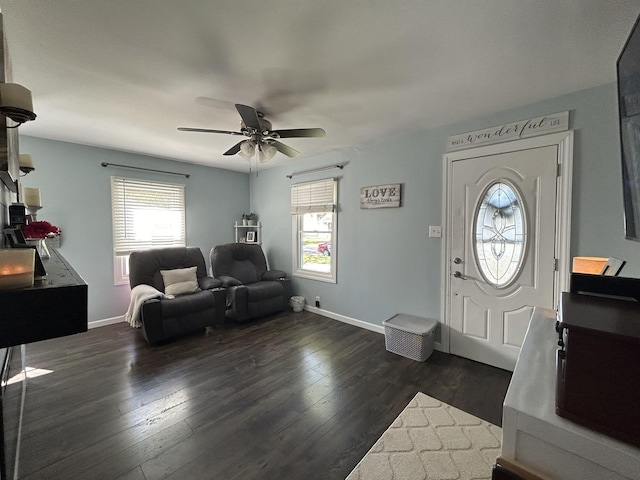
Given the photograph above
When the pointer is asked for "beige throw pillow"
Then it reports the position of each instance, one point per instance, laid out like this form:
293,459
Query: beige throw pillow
180,281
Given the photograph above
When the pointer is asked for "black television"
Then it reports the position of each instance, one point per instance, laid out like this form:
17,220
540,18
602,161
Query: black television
628,75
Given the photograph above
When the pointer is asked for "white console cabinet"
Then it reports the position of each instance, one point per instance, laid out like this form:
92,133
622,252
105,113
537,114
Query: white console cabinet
536,438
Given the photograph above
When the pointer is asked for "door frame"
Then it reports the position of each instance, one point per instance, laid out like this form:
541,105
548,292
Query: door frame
564,143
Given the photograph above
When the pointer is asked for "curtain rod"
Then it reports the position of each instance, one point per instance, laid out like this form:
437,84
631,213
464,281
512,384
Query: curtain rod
106,164
313,170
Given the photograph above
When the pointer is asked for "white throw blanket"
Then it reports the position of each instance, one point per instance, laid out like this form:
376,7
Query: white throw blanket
140,294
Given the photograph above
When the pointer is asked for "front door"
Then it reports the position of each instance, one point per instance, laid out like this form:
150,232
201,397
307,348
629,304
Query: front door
502,244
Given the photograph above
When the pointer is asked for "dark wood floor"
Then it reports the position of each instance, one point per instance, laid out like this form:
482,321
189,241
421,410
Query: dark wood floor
297,396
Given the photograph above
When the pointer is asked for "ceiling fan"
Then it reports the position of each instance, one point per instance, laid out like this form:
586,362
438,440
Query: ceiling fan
260,135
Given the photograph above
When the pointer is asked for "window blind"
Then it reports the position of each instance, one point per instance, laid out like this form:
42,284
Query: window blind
146,215
310,197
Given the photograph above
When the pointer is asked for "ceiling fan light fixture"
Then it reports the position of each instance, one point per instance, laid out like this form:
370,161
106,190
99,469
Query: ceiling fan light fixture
247,149
260,135
267,152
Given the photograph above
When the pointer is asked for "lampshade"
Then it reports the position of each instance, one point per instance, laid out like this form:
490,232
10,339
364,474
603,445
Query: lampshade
26,163
267,152
247,149
16,103
32,197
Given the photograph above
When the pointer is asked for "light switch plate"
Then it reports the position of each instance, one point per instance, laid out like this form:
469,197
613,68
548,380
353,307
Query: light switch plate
435,231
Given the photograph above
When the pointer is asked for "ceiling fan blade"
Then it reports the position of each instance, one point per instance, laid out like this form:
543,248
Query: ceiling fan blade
249,116
207,130
282,148
233,150
299,133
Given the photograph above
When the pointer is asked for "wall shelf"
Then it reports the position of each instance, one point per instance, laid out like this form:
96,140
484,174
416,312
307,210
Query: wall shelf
242,230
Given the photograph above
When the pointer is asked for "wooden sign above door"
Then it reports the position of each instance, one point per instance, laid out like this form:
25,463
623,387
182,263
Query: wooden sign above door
556,122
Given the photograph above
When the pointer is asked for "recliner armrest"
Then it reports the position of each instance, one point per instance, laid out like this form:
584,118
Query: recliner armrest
151,317
209,283
228,281
274,275
287,290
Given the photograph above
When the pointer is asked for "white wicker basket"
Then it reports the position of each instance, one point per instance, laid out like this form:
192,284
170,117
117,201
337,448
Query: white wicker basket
410,336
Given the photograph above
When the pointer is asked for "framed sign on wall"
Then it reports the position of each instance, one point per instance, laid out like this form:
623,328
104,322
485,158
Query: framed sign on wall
381,196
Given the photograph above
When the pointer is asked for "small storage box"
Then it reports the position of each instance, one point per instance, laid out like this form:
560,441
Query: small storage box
410,336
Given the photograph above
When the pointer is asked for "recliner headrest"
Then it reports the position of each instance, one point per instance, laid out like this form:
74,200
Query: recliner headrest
145,265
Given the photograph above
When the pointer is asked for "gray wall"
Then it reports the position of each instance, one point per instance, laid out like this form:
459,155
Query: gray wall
76,194
386,261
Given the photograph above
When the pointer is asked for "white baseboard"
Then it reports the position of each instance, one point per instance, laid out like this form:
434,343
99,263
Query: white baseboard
325,313
345,319
359,323
105,322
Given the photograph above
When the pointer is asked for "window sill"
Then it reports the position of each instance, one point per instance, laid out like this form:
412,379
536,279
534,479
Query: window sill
328,278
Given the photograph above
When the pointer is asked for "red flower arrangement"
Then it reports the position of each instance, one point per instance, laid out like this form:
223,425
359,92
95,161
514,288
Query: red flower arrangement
40,230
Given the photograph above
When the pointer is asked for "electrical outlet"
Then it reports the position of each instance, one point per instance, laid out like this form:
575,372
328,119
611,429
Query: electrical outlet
435,231
317,301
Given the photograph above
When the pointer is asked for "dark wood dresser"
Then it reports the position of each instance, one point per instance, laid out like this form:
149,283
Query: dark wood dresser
53,307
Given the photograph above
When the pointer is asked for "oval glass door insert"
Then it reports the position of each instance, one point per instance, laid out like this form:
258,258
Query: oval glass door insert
500,234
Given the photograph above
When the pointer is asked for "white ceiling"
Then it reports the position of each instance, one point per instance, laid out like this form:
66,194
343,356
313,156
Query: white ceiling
123,74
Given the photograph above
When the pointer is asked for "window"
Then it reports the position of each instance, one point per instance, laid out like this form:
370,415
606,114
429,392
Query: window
500,234
145,215
314,212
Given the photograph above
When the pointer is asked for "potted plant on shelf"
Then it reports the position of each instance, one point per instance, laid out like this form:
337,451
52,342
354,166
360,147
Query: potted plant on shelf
244,219
251,218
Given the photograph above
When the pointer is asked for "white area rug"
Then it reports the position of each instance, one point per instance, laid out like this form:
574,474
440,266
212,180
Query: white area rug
431,440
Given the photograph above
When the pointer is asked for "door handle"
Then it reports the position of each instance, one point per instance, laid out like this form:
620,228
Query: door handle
459,275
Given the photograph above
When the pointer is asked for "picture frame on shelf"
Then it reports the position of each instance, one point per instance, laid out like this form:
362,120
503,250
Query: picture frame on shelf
251,237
